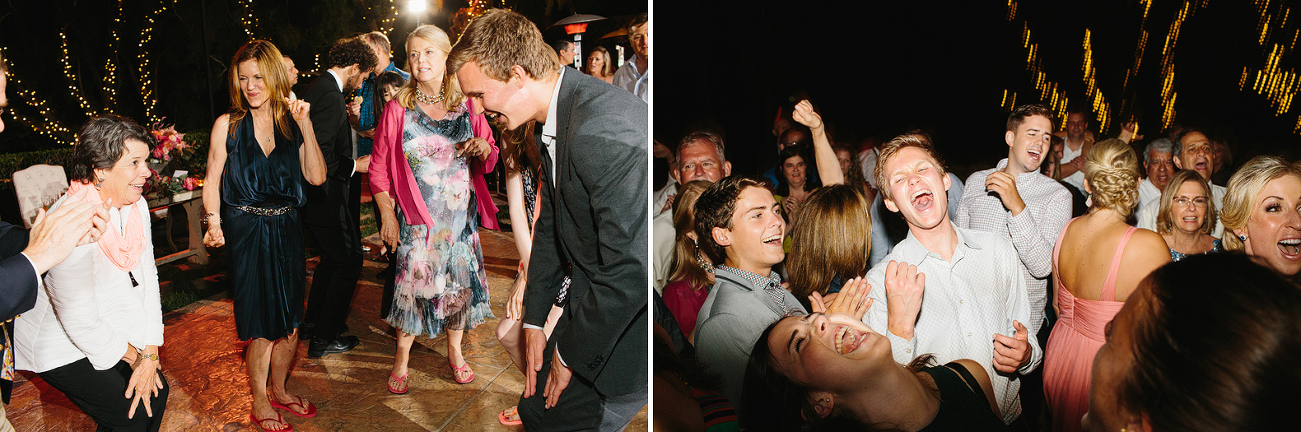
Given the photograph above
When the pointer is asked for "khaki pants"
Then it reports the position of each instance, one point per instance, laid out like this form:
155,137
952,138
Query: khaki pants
4,421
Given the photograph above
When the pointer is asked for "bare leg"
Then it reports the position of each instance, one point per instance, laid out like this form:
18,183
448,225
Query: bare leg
403,355
282,360
258,360
509,333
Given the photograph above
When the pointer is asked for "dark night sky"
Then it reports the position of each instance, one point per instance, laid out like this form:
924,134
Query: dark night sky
880,68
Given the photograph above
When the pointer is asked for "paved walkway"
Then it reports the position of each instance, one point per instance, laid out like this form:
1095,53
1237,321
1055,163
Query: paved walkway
204,364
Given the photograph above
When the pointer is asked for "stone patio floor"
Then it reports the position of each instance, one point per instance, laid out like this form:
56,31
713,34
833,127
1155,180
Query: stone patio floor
204,364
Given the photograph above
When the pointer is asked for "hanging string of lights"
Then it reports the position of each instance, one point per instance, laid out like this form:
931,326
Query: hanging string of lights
146,72
1048,89
247,19
1277,84
48,124
73,80
110,64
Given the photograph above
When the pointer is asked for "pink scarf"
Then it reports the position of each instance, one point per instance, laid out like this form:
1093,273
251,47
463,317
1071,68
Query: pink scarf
122,249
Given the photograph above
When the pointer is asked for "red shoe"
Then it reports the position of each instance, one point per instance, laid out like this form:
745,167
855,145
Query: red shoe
258,422
504,416
395,383
309,410
458,371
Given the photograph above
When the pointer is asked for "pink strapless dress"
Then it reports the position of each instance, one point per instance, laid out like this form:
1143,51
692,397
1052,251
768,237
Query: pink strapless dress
1075,339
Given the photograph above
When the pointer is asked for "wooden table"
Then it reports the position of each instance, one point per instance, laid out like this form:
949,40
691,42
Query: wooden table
193,205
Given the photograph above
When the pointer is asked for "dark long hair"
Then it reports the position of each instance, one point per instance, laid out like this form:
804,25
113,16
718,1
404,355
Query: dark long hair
1216,347
771,401
810,181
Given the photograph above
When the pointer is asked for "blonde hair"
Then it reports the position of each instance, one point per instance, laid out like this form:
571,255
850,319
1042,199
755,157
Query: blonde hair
1111,169
1164,223
452,95
271,65
833,237
685,250
892,147
498,41
606,69
1243,188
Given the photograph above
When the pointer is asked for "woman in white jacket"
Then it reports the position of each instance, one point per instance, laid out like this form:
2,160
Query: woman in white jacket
97,325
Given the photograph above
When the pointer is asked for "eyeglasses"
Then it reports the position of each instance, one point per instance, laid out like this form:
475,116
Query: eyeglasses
1184,201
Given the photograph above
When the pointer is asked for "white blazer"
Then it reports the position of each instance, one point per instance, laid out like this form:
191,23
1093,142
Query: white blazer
88,308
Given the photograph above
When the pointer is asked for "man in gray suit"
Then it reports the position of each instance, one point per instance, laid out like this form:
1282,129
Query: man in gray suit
594,220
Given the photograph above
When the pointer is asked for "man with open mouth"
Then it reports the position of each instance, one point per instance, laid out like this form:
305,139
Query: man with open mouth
1192,151
949,291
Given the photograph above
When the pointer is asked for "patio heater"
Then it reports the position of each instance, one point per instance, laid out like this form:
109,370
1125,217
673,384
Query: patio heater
576,25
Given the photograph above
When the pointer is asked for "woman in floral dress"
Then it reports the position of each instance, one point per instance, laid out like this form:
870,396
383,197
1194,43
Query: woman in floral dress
431,152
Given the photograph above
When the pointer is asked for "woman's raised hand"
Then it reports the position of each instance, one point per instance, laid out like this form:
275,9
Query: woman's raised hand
300,110
805,115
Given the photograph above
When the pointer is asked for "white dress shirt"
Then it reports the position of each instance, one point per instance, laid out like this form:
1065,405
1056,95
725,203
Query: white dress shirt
664,240
1033,232
635,81
90,310
979,293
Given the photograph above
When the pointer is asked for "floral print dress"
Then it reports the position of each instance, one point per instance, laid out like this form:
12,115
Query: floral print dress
441,283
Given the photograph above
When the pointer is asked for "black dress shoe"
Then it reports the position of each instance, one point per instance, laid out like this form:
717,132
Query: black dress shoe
320,347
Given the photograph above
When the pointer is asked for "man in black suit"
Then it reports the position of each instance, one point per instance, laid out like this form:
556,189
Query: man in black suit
331,212
593,219
25,256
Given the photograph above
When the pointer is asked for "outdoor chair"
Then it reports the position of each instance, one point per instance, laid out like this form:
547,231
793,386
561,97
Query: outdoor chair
37,187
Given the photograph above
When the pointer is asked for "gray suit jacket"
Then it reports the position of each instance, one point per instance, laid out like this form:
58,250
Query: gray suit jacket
595,220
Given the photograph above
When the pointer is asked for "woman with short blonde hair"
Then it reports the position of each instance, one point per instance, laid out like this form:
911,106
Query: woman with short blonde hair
1187,217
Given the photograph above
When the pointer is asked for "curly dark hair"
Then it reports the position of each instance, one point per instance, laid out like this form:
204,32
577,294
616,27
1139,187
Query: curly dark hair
352,51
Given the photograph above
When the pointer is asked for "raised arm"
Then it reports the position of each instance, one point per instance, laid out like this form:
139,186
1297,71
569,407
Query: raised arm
309,153
823,154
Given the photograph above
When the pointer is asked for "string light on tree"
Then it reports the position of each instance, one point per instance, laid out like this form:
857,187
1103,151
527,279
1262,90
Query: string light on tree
72,77
48,125
146,72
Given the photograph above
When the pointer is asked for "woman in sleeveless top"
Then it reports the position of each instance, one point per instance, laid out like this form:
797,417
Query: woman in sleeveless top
1097,262
256,164
836,373
1187,217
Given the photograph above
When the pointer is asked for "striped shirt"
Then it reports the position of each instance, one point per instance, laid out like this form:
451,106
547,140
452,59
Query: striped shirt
1033,232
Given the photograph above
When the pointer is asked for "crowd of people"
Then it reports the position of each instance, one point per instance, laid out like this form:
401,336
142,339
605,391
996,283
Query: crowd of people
284,165
1080,283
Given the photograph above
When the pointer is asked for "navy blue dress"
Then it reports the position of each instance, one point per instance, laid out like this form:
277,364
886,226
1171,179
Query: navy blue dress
265,252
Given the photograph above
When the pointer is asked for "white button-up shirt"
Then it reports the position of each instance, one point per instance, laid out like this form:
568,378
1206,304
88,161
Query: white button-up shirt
979,293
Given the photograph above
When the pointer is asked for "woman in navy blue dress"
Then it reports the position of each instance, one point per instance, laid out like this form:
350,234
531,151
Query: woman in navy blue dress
257,162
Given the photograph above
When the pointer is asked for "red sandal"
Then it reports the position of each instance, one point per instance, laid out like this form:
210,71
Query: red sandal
258,422
504,418
395,382
309,410
456,371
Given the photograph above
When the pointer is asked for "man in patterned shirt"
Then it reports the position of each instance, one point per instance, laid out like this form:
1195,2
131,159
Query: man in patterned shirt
974,296
1020,204
740,231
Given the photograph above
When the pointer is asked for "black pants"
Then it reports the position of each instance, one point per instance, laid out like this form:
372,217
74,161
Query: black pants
335,278
99,394
580,407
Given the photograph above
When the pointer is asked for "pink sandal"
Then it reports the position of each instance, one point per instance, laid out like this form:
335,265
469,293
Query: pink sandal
309,410
504,416
458,371
395,382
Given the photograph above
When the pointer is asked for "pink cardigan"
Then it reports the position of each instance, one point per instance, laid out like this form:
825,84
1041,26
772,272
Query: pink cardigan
390,172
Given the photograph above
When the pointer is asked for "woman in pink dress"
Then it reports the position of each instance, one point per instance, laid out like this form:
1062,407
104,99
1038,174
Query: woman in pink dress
1097,262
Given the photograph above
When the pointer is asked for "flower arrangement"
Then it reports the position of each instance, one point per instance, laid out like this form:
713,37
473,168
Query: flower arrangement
186,160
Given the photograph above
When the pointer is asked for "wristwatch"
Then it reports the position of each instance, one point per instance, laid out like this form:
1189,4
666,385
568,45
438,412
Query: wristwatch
153,357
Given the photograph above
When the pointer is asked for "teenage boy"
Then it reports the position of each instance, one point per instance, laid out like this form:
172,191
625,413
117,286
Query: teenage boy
975,298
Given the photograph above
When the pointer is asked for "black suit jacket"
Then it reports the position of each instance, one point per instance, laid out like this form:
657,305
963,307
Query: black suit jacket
328,204
18,289
18,283
595,218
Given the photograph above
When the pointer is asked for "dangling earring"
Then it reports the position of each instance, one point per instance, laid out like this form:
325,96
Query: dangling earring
99,181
